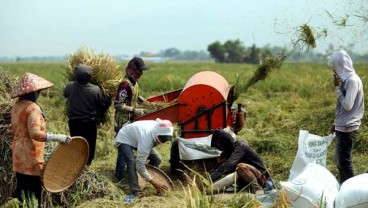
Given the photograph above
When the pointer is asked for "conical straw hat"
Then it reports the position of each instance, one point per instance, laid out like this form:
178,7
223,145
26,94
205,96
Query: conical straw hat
30,83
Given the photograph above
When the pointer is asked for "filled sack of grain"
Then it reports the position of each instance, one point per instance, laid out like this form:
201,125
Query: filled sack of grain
314,187
353,192
311,149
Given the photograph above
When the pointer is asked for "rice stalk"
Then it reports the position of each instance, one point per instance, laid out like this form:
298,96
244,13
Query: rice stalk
89,185
7,179
306,36
105,73
283,200
269,64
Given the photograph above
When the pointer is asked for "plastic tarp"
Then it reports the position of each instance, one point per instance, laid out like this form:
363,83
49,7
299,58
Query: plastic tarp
197,148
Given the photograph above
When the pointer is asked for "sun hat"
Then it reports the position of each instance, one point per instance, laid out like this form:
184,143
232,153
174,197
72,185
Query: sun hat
30,83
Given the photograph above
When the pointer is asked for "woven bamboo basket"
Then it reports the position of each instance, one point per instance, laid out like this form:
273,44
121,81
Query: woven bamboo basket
65,165
157,174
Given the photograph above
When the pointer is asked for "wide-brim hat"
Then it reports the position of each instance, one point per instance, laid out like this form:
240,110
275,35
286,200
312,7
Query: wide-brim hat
30,83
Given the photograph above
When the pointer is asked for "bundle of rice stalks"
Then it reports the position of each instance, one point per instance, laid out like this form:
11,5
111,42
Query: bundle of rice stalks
90,185
7,179
105,72
269,64
151,107
307,37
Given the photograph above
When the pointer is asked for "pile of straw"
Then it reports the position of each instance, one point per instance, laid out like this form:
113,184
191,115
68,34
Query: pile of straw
7,178
269,64
90,185
105,72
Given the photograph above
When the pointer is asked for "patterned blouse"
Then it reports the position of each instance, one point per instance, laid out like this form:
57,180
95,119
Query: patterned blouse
29,136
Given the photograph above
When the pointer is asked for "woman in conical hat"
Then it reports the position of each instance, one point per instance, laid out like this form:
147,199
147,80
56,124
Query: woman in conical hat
29,136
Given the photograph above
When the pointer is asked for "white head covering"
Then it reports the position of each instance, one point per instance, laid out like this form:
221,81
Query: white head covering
341,62
164,127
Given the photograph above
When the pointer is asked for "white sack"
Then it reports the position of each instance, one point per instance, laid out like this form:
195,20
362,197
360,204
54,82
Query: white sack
311,149
197,148
315,184
353,192
224,182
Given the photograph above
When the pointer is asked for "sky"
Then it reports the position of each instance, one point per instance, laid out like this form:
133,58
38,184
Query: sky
129,27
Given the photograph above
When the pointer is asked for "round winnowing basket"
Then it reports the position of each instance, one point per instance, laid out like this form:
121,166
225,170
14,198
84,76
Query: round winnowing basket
65,165
157,174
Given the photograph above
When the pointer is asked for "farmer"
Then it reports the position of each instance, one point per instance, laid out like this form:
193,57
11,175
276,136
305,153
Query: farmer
126,100
349,111
143,136
84,102
242,159
28,124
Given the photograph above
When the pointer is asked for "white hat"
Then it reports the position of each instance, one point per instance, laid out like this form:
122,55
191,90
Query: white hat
164,127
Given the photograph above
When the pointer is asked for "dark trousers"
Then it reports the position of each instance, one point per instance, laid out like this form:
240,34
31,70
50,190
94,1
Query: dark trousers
27,187
87,130
120,165
128,156
343,154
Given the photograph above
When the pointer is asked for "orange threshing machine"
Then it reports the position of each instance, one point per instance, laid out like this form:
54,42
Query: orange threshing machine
203,105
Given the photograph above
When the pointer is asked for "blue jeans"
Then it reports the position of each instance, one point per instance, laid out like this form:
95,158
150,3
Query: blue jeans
127,153
343,154
120,165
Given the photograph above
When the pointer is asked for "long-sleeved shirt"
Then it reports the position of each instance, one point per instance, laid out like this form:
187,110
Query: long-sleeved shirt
350,105
140,135
127,95
29,136
84,101
242,153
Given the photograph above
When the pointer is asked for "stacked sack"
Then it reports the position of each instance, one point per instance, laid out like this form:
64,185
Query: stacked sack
353,192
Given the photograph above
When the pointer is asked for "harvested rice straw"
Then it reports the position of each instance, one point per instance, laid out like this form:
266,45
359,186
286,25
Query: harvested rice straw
268,65
7,179
306,36
151,107
282,201
90,185
105,73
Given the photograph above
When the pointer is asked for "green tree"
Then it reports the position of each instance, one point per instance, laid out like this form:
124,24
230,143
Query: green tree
217,52
234,50
172,53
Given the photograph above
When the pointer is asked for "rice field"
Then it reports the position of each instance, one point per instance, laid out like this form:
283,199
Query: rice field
295,96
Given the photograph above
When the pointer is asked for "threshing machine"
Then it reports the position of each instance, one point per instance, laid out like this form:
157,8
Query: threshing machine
203,105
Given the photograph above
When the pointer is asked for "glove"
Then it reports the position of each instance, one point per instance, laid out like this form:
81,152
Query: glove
138,112
62,138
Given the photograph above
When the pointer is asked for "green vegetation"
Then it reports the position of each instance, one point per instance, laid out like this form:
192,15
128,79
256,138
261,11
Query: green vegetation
297,96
